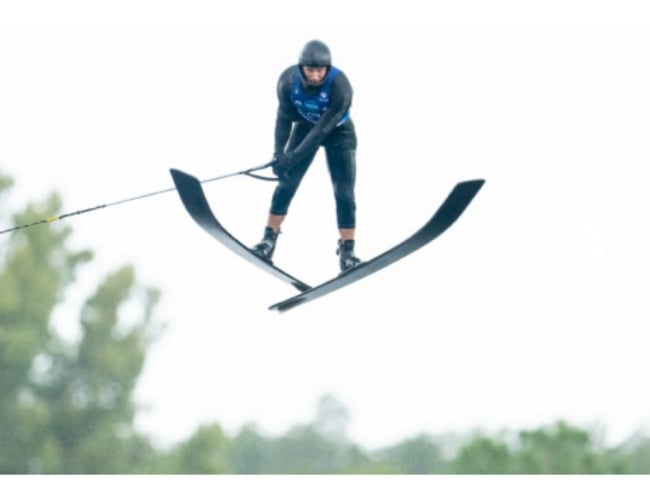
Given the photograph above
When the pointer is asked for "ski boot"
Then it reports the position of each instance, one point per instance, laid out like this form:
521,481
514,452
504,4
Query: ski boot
265,248
347,259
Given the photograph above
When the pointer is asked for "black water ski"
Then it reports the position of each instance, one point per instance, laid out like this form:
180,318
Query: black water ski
192,195
459,198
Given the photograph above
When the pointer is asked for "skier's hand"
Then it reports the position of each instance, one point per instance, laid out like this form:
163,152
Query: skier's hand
282,164
278,166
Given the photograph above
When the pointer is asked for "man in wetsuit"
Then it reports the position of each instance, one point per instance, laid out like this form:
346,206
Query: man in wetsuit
313,111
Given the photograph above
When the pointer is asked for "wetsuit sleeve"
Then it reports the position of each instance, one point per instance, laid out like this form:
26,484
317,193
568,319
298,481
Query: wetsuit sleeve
286,113
341,99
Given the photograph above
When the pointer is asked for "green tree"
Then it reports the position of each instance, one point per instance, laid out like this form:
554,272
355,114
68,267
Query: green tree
631,457
249,452
319,447
66,407
482,455
558,449
417,455
206,452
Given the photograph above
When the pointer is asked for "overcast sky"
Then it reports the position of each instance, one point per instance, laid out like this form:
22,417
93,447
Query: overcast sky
531,308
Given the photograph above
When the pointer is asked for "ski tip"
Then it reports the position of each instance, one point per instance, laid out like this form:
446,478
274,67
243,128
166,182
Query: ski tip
182,178
470,187
176,173
478,183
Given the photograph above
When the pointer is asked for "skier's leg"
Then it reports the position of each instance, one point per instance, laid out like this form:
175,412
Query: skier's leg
281,199
342,169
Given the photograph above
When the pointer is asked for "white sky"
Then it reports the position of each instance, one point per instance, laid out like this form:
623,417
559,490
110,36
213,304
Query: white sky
531,307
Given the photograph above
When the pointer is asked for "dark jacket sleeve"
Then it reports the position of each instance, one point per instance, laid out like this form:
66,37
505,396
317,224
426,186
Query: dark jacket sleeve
341,100
287,113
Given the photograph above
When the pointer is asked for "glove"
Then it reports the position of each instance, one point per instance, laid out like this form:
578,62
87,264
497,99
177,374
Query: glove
276,164
282,164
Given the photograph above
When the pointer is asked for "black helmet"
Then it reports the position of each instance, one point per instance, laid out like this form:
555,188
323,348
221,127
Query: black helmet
314,54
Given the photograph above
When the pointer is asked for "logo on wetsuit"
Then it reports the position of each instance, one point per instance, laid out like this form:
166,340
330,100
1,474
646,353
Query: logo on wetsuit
311,108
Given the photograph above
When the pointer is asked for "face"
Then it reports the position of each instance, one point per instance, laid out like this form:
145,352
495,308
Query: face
314,74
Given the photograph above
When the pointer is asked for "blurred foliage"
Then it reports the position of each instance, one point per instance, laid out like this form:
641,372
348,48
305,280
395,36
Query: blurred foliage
66,406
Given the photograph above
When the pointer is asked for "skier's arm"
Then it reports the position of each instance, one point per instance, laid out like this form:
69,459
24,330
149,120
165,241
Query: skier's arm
286,113
341,100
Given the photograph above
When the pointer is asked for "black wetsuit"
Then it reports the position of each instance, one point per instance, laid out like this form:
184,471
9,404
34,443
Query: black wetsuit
294,133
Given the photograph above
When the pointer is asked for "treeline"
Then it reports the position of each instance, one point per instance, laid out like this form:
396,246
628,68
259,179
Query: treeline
557,449
66,402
